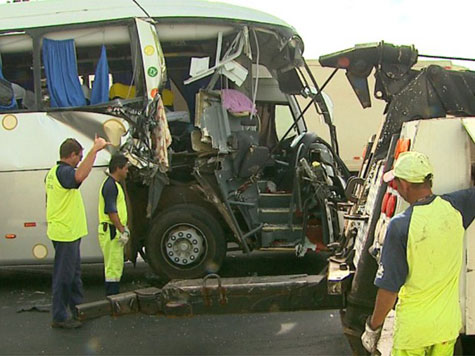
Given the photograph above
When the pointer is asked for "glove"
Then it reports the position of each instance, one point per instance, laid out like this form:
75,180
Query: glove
124,237
370,337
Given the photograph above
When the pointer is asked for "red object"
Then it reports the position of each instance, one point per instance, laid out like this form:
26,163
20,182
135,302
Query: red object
384,204
29,224
343,62
391,206
406,144
393,184
10,236
402,145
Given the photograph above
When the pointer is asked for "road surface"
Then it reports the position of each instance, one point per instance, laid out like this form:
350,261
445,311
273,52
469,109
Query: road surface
279,333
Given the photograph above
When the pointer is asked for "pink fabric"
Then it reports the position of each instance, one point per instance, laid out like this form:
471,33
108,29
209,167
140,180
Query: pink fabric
236,102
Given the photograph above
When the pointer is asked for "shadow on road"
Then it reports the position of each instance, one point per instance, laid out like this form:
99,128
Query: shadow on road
235,265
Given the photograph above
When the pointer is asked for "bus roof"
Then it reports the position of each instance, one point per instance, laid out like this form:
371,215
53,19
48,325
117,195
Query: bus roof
24,15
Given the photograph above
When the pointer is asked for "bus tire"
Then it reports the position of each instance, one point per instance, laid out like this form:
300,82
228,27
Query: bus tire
185,241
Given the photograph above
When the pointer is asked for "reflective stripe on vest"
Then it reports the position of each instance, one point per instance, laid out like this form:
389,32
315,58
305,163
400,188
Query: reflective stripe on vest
120,204
428,310
65,212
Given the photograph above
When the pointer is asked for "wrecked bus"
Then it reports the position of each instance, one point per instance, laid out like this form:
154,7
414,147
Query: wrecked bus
220,160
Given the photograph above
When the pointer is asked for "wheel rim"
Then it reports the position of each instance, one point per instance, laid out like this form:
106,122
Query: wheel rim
184,245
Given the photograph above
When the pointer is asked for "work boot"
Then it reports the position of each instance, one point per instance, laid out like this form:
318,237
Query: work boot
112,288
67,324
74,314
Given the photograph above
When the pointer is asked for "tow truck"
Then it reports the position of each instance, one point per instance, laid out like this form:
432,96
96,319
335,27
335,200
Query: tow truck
429,111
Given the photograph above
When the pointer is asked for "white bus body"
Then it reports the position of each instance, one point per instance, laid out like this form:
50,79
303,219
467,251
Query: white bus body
234,40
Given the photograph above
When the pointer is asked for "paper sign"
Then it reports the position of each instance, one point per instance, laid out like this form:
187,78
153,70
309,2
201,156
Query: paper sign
198,65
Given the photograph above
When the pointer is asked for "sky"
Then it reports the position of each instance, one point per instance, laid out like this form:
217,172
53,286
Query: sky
433,27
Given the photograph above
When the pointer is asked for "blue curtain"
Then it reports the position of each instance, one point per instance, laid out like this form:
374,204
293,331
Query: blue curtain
100,87
13,104
59,58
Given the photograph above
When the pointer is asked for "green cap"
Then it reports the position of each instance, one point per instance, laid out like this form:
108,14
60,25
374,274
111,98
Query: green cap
413,167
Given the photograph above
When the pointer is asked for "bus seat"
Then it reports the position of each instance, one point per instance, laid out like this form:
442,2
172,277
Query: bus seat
121,91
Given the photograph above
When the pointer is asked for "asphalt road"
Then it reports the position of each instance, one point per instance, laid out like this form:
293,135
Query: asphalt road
279,333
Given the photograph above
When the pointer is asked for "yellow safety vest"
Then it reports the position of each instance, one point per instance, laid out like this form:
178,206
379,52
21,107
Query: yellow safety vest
428,310
121,205
65,212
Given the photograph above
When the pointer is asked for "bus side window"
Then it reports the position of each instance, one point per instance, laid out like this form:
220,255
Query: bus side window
16,52
116,60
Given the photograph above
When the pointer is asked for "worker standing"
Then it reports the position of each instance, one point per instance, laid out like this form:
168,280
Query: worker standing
113,231
66,218
421,263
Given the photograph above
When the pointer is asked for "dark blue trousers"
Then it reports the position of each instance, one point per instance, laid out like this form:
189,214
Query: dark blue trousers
67,283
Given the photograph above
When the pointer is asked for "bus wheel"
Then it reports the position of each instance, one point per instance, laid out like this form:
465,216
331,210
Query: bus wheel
185,242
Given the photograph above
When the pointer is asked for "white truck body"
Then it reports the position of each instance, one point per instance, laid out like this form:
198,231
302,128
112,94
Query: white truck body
449,144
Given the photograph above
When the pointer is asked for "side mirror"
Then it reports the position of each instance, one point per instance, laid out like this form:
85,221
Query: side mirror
309,92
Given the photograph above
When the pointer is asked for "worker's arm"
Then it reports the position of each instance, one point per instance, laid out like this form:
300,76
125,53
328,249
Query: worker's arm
393,268
385,301
390,277
463,201
86,165
116,221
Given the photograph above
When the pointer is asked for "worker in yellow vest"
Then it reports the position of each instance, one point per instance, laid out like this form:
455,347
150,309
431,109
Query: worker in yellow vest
67,224
113,231
420,264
